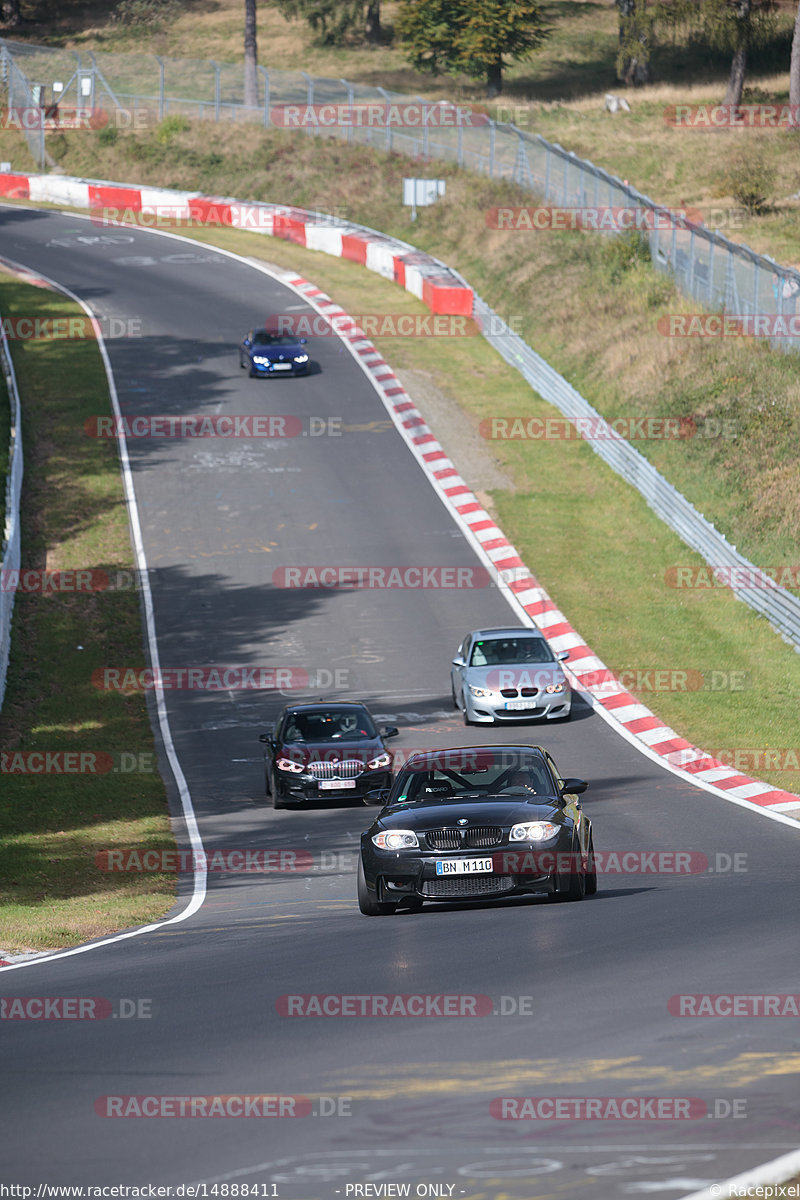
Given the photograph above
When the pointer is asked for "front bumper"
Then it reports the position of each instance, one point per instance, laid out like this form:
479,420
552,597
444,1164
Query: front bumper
296,787
279,368
486,710
520,869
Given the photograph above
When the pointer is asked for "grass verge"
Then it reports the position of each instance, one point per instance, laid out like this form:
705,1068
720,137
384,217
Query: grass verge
52,824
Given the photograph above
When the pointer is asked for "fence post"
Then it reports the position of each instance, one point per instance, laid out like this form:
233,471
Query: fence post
387,129
548,158
350,103
267,118
161,87
217,73
492,129
309,101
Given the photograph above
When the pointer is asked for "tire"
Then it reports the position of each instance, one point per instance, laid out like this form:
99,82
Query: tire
453,694
242,363
591,875
277,799
368,906
465,713
576,889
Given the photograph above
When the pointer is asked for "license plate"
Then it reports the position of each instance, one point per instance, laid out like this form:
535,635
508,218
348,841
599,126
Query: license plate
332,785
281,366
463,866
519,705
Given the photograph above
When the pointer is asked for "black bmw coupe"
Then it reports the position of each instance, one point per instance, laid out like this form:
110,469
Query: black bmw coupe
476,822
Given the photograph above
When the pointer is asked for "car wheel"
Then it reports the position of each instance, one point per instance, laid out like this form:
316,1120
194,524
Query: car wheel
453,694
368,906
591,875
277,798
242,363
267,788
252,373
576,887
465,713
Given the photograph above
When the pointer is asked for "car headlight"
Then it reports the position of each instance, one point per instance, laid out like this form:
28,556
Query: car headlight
383,760
396,839
259,358
301,358
479,692
533,831
286,764
556,687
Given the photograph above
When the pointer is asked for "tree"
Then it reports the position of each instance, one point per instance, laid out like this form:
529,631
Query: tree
470,37
250,54
794,70
10,13
334,21
729,26
635,40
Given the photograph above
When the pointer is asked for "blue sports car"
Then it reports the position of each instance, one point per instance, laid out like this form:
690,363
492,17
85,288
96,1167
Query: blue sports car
268,353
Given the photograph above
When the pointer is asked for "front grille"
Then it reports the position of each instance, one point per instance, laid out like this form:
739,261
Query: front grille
521,712
509,693
477,837
529,692
465,886
350,768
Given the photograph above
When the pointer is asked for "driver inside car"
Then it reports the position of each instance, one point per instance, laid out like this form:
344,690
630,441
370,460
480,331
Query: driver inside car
523,779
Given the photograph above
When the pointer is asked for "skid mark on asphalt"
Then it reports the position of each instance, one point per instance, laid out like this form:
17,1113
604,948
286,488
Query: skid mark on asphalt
414,1079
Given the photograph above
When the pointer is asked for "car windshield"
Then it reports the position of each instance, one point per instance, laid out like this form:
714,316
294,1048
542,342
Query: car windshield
495,652
331,724
469,774
263,337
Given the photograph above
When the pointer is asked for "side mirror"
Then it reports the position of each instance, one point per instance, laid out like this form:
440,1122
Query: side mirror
246,341
458,661
573,787
303,341
562,655
389,731
267,737
376,798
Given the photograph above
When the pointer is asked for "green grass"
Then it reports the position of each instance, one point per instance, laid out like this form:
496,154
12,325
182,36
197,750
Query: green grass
52,825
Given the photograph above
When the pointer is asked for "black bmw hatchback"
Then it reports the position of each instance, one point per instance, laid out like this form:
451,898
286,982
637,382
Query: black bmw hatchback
476,822
323,751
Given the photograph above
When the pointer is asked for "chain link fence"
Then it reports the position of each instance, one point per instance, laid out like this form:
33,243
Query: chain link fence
720,274
11,525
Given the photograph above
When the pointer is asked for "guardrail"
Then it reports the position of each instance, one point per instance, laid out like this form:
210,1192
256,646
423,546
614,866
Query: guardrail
718,273
12,537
